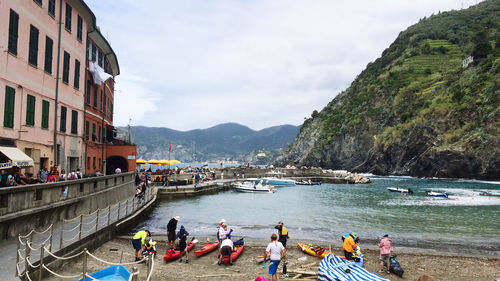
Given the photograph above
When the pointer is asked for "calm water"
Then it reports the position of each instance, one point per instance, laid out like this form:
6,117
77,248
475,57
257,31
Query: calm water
467,222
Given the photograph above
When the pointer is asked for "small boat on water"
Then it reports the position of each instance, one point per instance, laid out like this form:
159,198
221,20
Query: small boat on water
431,193
308,182
274,181
333,268
112,273
249,186
400,190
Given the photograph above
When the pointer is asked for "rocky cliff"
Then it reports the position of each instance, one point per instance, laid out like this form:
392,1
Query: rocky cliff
419,109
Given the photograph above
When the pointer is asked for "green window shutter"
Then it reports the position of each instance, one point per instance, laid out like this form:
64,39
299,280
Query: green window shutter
33,46
48,54
67,23
13,32
8,114
45,114
52,8
62,126
65,77
95,96
77,74
79,28
86,130
30,111
74,122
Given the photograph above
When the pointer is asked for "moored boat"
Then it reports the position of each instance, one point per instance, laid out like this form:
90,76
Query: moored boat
253,187
274,181
400,190
431,193
112,273
335,268
308,182
207,248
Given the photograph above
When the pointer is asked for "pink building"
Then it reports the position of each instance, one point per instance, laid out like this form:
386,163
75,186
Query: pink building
39,114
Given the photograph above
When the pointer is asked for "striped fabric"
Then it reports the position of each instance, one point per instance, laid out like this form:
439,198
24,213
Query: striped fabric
330,269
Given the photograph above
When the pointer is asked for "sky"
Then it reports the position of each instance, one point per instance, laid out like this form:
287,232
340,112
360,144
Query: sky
194,64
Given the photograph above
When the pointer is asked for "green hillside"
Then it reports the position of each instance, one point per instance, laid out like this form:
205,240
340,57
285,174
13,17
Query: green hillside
416,110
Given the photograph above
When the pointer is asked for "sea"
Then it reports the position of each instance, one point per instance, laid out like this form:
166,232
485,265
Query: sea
467,222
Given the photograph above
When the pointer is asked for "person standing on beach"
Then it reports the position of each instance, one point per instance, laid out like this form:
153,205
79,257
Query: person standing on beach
138,241
226,249
277,252
349,245
282,233
385,246
171,227
182,236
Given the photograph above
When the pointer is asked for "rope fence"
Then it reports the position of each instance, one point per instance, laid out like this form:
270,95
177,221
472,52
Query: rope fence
29,249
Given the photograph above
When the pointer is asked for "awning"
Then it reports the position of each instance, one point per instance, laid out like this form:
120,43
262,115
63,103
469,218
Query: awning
17,158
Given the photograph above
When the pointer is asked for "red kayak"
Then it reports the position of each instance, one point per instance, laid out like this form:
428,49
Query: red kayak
235,254
175,254
207,248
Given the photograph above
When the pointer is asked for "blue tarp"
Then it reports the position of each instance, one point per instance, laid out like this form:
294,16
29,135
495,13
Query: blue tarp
331,269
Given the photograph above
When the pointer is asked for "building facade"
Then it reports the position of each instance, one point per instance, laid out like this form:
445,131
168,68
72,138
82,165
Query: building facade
46,46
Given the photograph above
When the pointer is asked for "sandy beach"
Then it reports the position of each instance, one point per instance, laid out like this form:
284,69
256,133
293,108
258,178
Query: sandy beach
415,262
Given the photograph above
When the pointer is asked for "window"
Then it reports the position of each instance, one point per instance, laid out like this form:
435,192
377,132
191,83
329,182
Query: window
94,52
33,48
93,132
45,114
66,68
94,162
13,32
111,111
30,111
87,131
87,94
52,8
67,24
77,74
103,134
99,58
62,126
39,2
88,162
79,28
100,104
104,106
106,65
99,134
8,113
74,122
48,54
95,96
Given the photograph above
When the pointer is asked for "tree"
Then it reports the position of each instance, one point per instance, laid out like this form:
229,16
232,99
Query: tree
481,45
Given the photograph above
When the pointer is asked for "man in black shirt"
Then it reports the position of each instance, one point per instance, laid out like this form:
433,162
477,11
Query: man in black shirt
171,227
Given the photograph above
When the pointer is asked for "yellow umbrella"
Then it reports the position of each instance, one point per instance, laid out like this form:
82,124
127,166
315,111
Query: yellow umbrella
140,161
153,161
163,162
174,162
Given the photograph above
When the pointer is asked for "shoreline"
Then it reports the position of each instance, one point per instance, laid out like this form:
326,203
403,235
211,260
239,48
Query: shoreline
256,242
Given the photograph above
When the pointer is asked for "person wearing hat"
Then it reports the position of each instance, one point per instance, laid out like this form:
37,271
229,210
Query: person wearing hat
171,227
182,236
349,245
282,233
138,241
11,181
385,246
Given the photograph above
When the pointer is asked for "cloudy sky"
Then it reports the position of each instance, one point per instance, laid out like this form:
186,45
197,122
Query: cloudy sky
193,64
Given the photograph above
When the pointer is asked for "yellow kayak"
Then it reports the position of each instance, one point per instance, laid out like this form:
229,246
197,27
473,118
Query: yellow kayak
313,251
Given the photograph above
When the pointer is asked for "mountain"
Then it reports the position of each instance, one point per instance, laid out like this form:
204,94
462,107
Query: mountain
417,110
228,141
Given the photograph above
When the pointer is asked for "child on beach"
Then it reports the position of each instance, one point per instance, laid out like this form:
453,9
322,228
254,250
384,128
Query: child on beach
182,236
277,252
385,246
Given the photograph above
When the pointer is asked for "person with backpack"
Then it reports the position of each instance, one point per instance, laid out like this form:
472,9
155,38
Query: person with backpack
182,236
385,246
282,233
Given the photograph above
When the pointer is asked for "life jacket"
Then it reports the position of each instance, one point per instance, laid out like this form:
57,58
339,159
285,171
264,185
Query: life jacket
283,232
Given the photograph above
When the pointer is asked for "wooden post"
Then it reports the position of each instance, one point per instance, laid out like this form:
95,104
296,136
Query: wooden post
134,273
126,207
51,236
42,252
97,221
119,207
26,256
81,225
17,253
84,277
109,213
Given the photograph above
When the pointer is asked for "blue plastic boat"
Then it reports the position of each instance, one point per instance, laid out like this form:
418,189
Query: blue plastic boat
112,273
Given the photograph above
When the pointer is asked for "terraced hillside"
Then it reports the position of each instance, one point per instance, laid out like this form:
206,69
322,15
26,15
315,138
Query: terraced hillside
416,110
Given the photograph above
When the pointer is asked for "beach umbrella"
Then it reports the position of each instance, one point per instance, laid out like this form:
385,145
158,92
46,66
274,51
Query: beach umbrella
174,162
